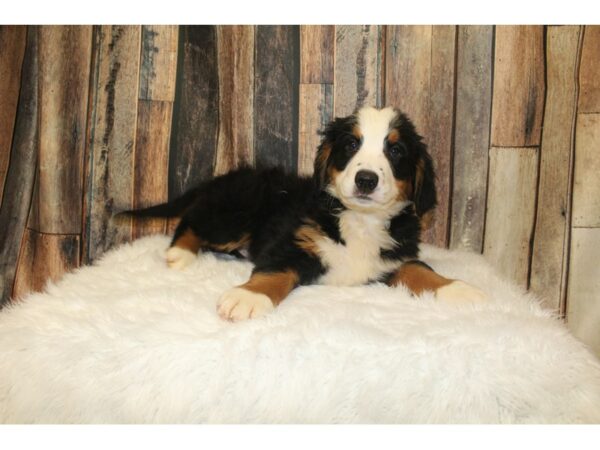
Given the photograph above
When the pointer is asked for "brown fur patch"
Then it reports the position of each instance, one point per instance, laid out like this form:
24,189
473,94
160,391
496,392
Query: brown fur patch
426,220
393,136
418,278
307,236
230,246
404,190
356,132
275,285
419,177
188,241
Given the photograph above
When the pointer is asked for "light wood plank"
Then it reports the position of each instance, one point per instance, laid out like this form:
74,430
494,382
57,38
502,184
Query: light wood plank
235,143
518,86
550,244
358,68
317,44
511,210
586,187
316,105
589,81
471,136
158,62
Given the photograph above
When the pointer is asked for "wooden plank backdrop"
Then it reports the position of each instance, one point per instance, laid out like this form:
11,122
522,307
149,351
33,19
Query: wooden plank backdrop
98,119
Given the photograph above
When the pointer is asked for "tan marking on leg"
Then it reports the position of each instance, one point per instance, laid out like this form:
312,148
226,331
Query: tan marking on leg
188,241
307,236
418,278
276,285
229,246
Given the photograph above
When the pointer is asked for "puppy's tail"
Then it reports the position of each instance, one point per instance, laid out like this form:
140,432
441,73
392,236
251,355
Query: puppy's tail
174,208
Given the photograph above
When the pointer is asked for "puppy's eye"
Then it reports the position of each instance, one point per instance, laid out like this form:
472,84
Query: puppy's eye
352,145
398,150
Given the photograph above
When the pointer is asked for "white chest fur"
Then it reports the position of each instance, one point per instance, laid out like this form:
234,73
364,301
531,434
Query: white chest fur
359,260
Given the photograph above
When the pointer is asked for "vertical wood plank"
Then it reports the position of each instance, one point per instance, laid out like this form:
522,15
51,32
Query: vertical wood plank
518,86
158,68
12,49
21,171
151,163
420,65
586,187
509,224
471,136
317,44
583,307
235,50
195,113
316,102
65,53
277,72
358,68
113,120
550,244
589,81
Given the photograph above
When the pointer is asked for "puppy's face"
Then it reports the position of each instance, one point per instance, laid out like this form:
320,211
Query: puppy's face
374,161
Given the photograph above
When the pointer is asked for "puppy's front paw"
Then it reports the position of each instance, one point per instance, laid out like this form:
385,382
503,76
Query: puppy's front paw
179,258
240,304
459,292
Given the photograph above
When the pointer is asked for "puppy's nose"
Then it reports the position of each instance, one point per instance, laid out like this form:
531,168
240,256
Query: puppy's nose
366,181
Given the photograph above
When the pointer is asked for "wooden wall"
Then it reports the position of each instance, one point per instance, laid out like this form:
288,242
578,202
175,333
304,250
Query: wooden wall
98,119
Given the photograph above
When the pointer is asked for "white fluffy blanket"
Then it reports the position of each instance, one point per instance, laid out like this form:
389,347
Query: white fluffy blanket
129,340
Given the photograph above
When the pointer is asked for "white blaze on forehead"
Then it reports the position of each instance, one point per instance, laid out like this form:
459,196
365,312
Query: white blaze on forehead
374,125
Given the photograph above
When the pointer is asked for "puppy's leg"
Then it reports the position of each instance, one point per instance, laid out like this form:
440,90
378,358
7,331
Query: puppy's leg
184,247
419,277
259,295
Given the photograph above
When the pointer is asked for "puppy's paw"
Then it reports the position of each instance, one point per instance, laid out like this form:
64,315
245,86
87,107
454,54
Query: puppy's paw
458,292
179,258
240,304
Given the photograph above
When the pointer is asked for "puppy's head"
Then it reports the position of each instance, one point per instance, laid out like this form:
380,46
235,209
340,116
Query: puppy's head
374,161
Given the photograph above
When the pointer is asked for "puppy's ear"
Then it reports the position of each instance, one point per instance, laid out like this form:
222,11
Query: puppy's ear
321,159
424,195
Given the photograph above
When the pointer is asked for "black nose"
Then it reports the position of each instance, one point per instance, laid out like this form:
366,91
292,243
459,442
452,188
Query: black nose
366,181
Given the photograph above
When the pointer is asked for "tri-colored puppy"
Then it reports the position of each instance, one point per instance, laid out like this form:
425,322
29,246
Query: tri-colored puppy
357,220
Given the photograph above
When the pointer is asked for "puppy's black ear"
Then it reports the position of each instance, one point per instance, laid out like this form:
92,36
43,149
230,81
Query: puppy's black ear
424,183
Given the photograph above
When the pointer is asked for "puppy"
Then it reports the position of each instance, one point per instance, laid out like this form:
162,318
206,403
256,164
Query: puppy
357,220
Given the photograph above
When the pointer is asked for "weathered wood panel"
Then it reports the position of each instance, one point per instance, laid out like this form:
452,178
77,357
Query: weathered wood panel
12,49
151,162
44,258
277,72
317,44
518,86
195,115
586,188
158,62
112,137
420,64
589,81
471,136
583,306
358,76
64,53
21,171
509,224
235,143
316,105
550,245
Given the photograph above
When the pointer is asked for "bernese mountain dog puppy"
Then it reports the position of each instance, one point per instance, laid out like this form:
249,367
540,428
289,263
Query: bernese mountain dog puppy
357,220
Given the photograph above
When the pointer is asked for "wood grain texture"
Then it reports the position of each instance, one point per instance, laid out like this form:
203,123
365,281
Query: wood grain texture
158,62
420,65
64,58
21,171
583,307
550,244
471,136
112,137
317,43
509,224
589,81
12,49
277,72
358,72
316,110
195,115
518,86
586,187
44,258
151,162
235,143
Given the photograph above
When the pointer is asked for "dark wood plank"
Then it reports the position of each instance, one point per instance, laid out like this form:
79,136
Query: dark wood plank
21,171
235,144
113,120
589,81
518,102
316,110
358,67
317,43
195,112
12,49
277,71
550,244
158,68
471,136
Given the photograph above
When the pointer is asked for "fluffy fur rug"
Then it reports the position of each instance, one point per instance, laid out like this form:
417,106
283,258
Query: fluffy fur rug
128,340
